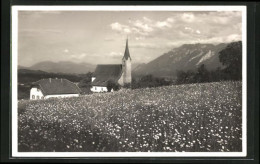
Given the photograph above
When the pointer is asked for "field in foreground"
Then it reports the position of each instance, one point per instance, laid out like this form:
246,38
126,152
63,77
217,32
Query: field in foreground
193,118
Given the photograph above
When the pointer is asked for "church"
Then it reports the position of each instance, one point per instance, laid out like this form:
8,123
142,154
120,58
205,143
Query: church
118,73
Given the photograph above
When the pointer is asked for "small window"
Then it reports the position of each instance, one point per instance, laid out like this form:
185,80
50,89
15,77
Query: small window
102,89
95,88
38,97
33,96
42,97
38,89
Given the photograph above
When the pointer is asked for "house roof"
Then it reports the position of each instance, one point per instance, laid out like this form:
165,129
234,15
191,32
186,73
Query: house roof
127,53
57,86
104,73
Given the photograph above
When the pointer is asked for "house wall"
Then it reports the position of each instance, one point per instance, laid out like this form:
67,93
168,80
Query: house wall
98,89
36,93
93,78
61,96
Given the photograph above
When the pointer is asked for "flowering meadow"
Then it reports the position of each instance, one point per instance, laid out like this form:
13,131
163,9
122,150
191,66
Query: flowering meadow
192,118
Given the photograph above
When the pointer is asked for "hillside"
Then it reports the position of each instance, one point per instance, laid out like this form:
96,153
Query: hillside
29,76
185,57
62,67
193,118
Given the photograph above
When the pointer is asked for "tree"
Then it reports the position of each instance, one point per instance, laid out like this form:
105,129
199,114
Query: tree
111,84
202,74
85,83
231,58
185,77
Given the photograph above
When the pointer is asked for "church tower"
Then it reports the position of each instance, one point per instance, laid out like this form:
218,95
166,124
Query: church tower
126,63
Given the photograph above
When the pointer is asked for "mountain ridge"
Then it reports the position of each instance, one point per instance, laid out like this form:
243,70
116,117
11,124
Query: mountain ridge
185,57
62,67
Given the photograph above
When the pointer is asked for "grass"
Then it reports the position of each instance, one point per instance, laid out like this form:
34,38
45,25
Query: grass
192,118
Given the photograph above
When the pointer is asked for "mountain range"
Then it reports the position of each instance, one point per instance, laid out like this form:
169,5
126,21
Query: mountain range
62,67
185,57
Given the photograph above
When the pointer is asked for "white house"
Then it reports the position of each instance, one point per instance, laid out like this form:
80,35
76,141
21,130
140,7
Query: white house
119,73
48,88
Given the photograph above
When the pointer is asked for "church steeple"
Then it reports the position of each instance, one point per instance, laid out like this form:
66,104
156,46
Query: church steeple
126,66
127,54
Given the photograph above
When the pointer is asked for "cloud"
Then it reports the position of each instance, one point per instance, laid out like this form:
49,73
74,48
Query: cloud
188,17
146,45
115,54
163,24
142,27
139,38
183,27
120,27
78,56
117,26
191,30
233,37
66,51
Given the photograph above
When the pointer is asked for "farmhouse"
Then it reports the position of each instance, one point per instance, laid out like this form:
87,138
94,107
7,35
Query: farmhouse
48,88
117,73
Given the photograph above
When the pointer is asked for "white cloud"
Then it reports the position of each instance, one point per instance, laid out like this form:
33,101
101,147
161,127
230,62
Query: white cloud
127,30
163,24
170,20
143,26
66,51
233,37
117,26
139,38
120,28
187,17
188,28
116,54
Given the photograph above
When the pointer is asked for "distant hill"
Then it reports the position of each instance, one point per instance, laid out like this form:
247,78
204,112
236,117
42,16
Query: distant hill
26,76
185,57
22,67
62,67
136,66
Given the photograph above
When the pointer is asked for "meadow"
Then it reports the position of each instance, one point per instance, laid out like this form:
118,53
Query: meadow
204,117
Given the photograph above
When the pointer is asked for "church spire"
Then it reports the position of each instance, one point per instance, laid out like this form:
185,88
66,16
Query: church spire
127,54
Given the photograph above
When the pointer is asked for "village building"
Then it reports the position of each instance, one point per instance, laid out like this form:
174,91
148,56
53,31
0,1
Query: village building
53,88
118,73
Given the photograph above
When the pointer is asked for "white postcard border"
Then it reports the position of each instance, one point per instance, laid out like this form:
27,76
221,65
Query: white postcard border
14,65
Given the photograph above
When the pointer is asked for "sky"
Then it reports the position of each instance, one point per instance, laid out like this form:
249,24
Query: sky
99,37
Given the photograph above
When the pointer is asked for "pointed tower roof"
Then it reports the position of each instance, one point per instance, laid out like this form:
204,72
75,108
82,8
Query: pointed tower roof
127,54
